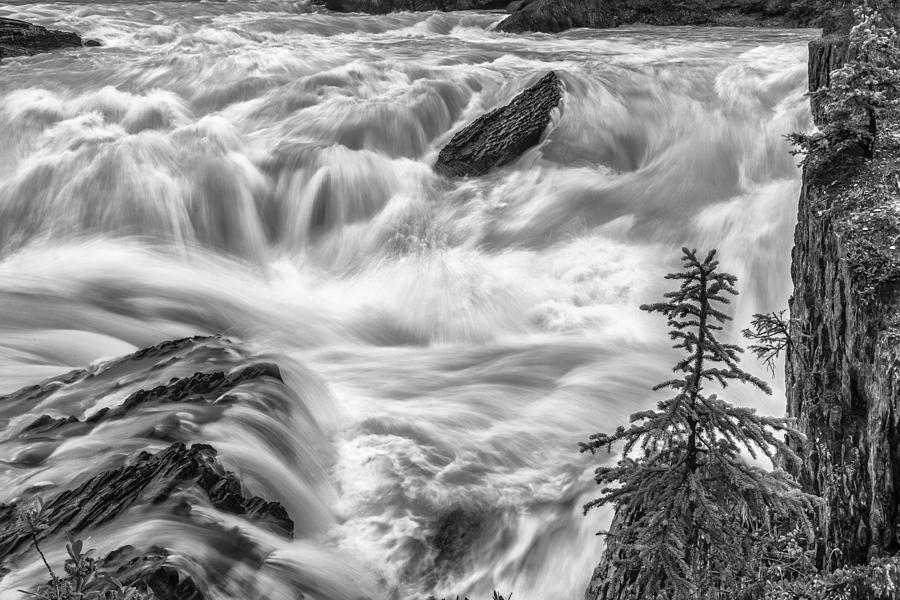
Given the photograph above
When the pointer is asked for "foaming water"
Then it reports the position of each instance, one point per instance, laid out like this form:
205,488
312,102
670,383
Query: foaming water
261,170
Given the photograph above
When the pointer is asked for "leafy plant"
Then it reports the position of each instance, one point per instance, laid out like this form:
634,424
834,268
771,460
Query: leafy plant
692,517
878,580
859,92
83,580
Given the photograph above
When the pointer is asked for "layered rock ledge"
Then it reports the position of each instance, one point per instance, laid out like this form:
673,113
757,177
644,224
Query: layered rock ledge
18,38
502,135
171,483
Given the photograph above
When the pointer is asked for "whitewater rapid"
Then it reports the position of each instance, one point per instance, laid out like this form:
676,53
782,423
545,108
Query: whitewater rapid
262,170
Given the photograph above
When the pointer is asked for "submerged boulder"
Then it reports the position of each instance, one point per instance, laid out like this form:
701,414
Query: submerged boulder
502,135
19,38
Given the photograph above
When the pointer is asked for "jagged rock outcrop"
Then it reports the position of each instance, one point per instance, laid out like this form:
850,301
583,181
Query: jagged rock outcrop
207,373
825,55
502,135
843,368
18,38
173,475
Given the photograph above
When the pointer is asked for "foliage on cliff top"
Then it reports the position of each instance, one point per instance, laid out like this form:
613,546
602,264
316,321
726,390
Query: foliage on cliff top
691,515
860,95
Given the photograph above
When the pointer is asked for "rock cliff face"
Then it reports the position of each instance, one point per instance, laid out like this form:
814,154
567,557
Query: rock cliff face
18,38
503,134
843,364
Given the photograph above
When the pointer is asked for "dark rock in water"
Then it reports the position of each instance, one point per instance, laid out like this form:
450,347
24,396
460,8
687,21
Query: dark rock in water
18,38
149,569
379,7
199,387
553,16
457,532
503,134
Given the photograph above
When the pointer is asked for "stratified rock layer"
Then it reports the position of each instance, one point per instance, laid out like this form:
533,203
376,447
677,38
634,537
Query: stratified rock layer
169,483
551,16
843,370
18,38
502,135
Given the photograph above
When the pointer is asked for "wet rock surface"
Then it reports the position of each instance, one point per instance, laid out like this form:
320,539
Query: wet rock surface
150,479
552,16
19,38
199,387
843,363
502,135
169,483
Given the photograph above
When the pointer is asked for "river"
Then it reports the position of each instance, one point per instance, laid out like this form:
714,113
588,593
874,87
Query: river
262,170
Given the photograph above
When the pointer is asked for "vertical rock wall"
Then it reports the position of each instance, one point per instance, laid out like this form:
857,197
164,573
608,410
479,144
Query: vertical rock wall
843,367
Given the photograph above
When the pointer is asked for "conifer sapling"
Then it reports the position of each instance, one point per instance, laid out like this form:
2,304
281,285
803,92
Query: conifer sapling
689,508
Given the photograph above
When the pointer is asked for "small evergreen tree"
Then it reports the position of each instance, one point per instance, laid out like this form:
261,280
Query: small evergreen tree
688,509
859,92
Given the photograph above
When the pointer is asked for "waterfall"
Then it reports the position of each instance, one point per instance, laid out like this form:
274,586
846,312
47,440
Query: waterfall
261,170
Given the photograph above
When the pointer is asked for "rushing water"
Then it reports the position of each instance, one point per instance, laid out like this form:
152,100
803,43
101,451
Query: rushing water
262,170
